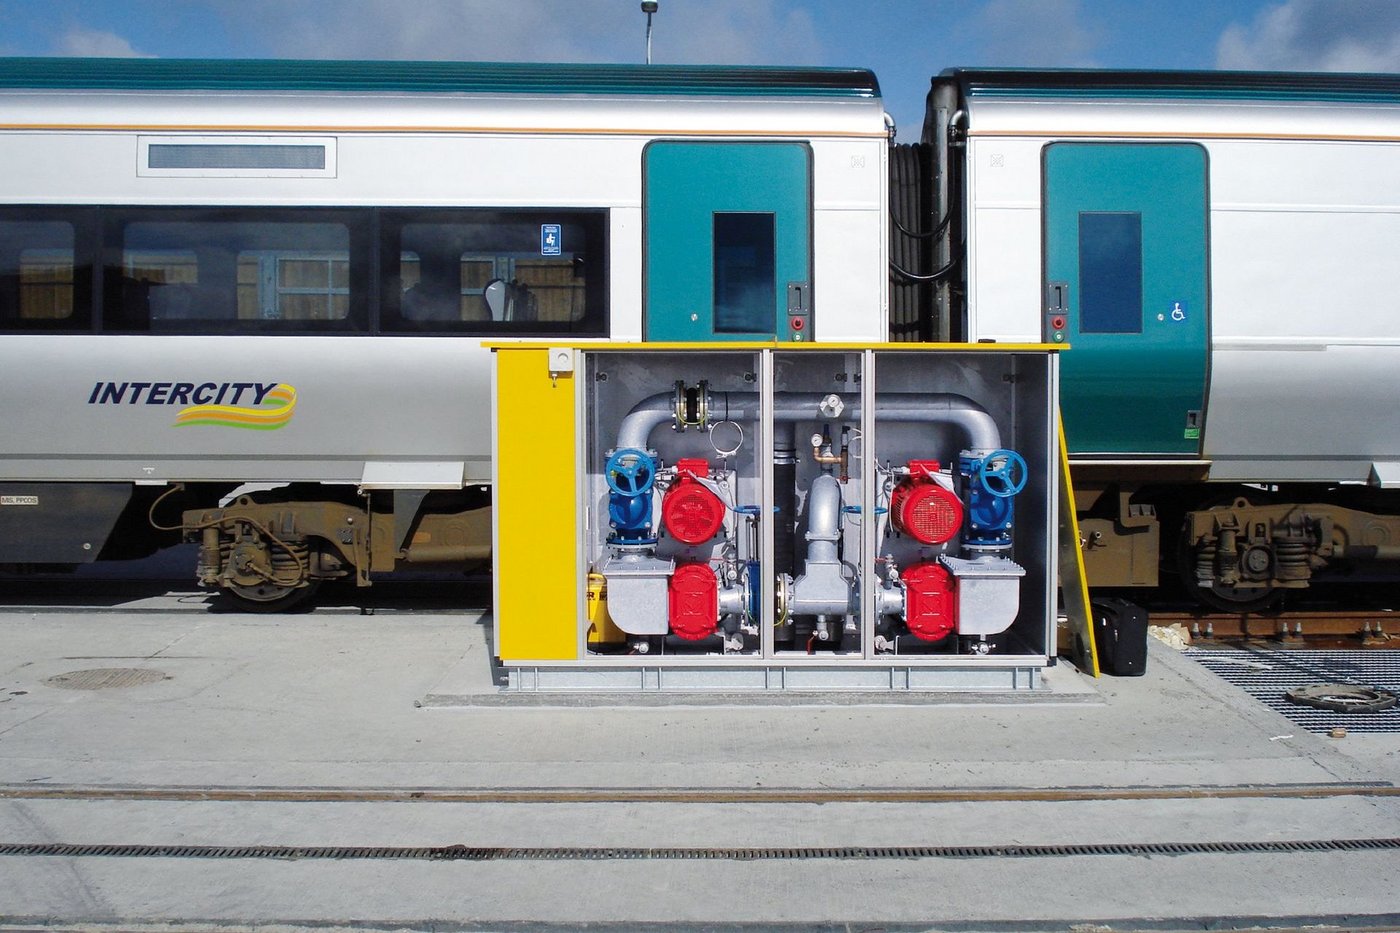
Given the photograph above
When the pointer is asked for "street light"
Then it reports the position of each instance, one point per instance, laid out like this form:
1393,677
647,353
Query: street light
649,7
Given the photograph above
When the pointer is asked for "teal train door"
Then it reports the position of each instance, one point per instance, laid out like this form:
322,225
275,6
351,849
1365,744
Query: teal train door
1127,286
728,238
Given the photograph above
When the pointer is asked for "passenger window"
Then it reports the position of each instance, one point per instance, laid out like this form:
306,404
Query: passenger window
1110,273
230,274
42,287
492,271
745,296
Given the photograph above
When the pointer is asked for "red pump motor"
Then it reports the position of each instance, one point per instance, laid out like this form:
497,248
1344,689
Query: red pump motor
923,508
693,599
930,601
692,513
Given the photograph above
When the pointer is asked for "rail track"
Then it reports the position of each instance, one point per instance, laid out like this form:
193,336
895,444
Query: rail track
1367,627
695,795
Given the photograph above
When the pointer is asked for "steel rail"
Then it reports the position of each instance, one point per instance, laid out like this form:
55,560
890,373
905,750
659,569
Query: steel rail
694,853
1371,624
693,795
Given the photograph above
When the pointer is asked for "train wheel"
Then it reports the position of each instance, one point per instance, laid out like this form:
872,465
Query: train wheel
1219,595
269,597
1232,598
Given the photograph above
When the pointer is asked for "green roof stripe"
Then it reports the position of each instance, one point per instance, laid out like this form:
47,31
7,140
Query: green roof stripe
171,74
1180,85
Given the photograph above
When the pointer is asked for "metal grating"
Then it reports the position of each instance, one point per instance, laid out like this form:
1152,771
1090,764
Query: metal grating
1268,673
106,678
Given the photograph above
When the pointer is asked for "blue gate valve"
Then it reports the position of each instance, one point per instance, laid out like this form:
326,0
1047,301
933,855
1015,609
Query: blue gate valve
991,483
630,474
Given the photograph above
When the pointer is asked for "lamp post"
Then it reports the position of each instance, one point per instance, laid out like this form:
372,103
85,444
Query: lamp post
649,7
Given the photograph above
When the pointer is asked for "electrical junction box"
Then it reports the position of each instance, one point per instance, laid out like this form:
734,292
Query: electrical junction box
718,517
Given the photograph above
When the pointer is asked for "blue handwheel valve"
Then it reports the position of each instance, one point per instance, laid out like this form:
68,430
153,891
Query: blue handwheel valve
630,474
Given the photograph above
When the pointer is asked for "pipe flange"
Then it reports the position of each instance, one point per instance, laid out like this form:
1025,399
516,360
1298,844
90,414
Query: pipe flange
691,407
782,600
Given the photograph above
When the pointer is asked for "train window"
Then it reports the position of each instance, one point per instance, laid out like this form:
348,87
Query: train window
230,273
487,272
1110,272
745,278
43,285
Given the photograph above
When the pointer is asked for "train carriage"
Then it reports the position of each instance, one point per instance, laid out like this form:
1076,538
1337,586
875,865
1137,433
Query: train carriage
243,302
218,274
1220,252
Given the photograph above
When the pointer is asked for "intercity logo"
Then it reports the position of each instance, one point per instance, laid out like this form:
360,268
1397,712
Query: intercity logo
258,406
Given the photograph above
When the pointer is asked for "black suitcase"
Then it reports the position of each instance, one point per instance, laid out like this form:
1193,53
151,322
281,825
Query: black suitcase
1120,636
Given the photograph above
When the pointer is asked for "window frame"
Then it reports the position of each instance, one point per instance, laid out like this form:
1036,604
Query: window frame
83,221
594,323
99,254
117,318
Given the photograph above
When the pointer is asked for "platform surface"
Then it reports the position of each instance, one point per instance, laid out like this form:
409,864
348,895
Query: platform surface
338,728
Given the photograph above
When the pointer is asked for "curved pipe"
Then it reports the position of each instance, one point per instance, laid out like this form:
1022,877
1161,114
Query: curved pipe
823,589
645,417
823,519
938,407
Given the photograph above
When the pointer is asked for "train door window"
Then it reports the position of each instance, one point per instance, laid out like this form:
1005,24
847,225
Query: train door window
231,271
1110,272
745,272
44,282
493,271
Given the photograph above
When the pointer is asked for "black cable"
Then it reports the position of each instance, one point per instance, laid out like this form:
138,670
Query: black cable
936,276
916,235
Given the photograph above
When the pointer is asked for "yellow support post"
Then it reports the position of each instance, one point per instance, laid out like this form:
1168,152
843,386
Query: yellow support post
1074,584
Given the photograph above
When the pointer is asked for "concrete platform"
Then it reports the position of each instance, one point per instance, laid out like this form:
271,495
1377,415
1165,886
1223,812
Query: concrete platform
338,728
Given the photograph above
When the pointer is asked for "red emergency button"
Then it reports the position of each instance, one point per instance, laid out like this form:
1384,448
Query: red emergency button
798,323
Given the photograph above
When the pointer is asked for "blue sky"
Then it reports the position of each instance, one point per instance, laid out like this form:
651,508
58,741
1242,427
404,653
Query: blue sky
904,41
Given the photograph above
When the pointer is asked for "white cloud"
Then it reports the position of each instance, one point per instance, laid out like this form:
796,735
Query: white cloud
736,32
1036,34
427,29
1316,35
94,44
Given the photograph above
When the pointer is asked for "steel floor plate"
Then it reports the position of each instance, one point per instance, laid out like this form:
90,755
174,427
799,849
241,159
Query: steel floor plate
1268,673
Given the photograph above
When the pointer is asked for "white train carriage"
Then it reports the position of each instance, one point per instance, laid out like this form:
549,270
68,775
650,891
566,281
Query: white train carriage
1221,252
280,273
220,273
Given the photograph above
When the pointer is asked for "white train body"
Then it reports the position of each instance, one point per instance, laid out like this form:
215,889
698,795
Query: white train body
375,407
1220,252
225,273
1304,240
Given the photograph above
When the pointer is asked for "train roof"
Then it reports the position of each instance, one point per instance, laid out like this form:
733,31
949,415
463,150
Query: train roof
1258,86
1199,105
170,74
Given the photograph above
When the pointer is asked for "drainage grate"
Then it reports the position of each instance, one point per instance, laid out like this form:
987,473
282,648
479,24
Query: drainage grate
105,678
1267,674
632,853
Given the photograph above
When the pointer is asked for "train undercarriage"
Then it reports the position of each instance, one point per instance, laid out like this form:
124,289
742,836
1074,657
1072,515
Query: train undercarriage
264,551
1237,547
268,551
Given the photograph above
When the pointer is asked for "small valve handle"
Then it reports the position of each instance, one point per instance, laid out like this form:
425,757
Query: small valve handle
1003,473
630,472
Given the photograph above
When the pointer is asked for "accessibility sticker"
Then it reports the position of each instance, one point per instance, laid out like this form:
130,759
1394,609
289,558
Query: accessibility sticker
551,240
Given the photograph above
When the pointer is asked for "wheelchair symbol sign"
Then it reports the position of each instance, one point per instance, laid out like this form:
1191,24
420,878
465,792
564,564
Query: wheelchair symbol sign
1178,311
551,240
